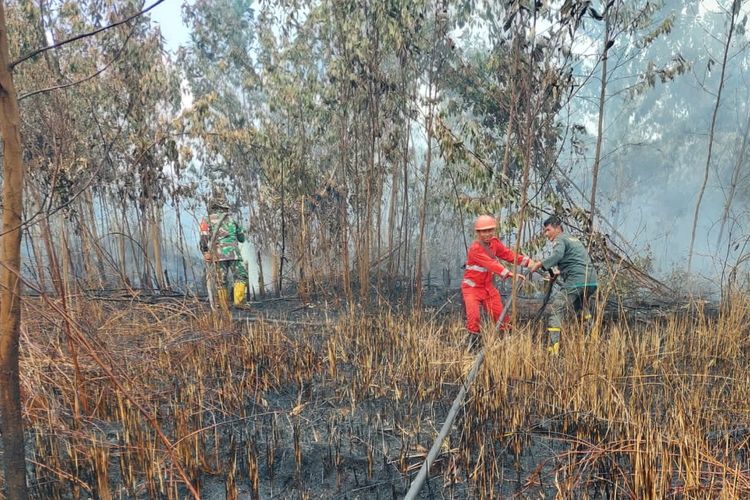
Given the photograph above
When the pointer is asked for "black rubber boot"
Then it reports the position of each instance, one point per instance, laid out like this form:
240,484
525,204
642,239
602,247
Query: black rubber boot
473,342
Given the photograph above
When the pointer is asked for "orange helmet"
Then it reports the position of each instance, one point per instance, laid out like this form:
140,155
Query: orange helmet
485,222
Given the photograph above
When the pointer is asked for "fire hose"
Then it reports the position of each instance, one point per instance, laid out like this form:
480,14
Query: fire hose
419,480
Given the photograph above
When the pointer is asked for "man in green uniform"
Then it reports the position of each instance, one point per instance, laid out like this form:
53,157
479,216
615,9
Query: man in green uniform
571,261
220,238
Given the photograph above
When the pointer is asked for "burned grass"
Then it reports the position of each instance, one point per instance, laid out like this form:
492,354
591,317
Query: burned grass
346,405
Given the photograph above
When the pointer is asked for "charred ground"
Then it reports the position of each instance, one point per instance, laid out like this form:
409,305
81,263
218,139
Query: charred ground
320,400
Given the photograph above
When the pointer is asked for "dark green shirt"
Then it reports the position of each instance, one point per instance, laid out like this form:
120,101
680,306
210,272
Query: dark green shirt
571,257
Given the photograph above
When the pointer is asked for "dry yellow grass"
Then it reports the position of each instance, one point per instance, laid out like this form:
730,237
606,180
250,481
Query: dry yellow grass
353,403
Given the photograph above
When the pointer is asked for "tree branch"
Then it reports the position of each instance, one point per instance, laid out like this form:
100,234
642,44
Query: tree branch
85,79
83,35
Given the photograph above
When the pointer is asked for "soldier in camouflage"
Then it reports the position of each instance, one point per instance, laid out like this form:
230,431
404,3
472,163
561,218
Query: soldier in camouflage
220,236
571,261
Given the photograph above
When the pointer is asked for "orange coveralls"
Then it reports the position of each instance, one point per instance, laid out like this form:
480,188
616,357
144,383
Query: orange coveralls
477,286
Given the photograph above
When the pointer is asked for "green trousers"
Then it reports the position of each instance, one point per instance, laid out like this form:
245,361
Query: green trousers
234,267
569,302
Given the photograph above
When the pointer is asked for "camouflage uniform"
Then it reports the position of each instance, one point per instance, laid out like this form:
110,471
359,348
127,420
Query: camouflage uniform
579,281
221,235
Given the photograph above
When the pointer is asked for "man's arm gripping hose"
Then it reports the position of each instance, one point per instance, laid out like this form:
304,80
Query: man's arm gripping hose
547,294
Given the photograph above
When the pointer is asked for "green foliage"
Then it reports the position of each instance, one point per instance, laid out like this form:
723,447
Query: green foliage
95,112
292,101
500,116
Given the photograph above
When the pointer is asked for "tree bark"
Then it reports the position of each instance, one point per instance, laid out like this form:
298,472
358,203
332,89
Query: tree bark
10,277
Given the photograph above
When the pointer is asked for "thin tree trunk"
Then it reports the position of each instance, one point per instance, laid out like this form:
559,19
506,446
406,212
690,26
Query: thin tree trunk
378,222
305,271
511,111
342,213
70,276
404,226
346,271
283,233
144,234
275,279
62,290
526,138
405,155
423,207
121,250
363,216
93,236
600,119
181,241
155,228
86,245
11,423
135,251
39,261
392,221
431,95
261,280
741,155
735,9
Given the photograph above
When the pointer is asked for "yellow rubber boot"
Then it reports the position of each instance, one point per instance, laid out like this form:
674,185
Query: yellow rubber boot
554,349
239,293
553,334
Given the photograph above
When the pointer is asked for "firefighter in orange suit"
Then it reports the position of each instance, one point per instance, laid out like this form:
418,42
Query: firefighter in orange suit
481,263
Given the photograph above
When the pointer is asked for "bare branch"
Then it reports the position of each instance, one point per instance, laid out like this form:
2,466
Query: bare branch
85,79
83,35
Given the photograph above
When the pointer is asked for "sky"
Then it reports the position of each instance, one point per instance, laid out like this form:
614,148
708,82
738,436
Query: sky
168,16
